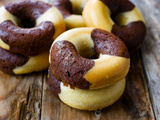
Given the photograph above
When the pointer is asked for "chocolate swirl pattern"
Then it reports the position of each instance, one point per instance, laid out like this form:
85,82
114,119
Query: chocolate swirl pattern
104,63
121,17
26,32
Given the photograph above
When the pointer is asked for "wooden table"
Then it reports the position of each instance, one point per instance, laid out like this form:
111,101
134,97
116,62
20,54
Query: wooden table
28,97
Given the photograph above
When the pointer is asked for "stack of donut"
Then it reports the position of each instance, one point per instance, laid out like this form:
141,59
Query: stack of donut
26,34
88,68
88,62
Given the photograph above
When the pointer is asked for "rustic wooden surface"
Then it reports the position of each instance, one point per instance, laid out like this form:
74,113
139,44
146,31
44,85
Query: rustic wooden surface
151,50
28,97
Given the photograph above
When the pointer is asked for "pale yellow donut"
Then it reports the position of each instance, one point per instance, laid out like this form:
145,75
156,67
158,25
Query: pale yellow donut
97,14
75,19
77,5
110,68
92,99
5,15
38,61
54,16
35,63
128,23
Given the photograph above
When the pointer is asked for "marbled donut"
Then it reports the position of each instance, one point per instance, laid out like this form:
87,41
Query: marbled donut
77,55
26,29
88,67
86,99
121,17
72,12
14,63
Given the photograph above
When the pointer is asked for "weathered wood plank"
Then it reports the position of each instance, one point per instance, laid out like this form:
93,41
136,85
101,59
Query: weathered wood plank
20,96
151,50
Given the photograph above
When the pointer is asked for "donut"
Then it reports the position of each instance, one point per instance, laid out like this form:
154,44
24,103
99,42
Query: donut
86,99
69,53
85,62
25,28
14,63
26,35
121,17
72,12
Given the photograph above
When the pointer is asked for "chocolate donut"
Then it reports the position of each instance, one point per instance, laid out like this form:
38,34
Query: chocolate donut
86,99
14,63
70,53
38,30
72,12
26,34
87,59
9,61
121,17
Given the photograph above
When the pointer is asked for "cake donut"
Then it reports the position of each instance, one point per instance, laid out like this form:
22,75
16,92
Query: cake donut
26,35
121,17
38,30
88,59
72,12
86,99
14,63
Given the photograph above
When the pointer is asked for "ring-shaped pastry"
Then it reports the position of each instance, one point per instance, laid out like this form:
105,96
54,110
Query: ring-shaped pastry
41,24
14,63
72,12
89,58
86,99
127,23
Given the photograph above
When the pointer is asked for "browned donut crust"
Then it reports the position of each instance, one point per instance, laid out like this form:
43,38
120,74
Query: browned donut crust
54,84
118,6
107,43
28,42
65,6
9,61
132,34
70,67
27,11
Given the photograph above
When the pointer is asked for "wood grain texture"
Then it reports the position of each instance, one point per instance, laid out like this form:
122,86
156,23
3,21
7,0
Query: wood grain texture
20,96
151,50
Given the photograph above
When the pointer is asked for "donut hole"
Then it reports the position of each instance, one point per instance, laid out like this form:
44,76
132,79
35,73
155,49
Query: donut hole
77,7
117,20
84,47
26,23
27,11
87,53
77,11
85,50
